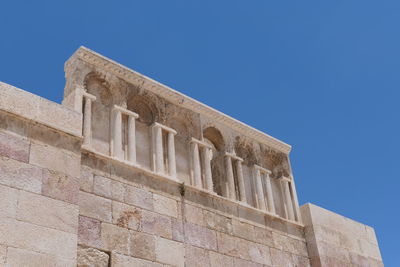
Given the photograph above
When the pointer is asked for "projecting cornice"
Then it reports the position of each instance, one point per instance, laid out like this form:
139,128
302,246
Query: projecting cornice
175,97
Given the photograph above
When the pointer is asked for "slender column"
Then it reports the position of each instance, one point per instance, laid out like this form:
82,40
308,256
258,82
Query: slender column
295,200
196,165
239,171
158,149
207,168
270,197
87,122
230,178
260,191
131,139
171,155
288,199
117,134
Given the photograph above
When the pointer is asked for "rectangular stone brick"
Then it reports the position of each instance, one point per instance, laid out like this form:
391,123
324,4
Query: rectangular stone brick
15,147
21,257
281,258
139,197
60,186
263,236
115,238
126,216
218,222
95,207
196,257
218,260
119,260
165,205
8,201
142,245
37,238
300,261
102,186
154,223
47,212
194,215
20,175
89,232
240,263
243,230
118,191
3,253
55,159
200,236
86,180
170,252
177,230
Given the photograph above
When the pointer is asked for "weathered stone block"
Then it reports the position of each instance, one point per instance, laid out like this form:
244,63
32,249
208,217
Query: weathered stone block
243,230
240,263
102,186
154,223
218,222
47,212
263,236
170,252
94,206
37,238
90,257
194,215
200,236
89,232
86,180
20,257
142,245
119,260
20,175
3,253
55,159
281,258
118,191
60,186
126,216
8,201
177,230
115,238
139,197
196,257
218,260
14,147
165,205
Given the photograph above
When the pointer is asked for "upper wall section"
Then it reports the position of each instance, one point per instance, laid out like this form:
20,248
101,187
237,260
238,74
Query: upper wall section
107,67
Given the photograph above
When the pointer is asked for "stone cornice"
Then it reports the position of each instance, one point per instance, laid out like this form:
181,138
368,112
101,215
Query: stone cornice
175,97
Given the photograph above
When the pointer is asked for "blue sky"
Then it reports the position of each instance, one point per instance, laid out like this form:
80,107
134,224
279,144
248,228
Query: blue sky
322,76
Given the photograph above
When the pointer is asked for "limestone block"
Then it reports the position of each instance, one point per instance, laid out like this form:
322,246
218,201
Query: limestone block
126,216
218,260
102,186
240,263
200,236
229,245
119,260
165,205
55,159
115,238
3,253
8,201
139,197
263,236
20,257
13,125
60,186
90,257
142,245
15,147
370,249
243,230
94,206
300,261
371,236
47,212
154,223
20,175
196,257
218,222
86,180
358,260
118,191
177,230
89,232
281,258
37,238
194,215
170,252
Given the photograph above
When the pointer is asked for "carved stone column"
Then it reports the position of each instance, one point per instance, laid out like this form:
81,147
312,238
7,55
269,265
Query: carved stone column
288,199
207,168
171,155
259,189
116,134
229,178
132,138
87,118
158,150
196,165
270,196
239,171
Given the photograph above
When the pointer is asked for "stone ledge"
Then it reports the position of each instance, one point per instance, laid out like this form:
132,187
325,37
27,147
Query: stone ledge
32,107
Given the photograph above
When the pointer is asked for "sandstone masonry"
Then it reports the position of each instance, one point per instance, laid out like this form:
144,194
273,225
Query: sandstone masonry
129,172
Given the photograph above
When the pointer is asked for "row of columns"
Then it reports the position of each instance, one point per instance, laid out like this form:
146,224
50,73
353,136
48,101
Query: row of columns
262,176
233,161
158,150
201,157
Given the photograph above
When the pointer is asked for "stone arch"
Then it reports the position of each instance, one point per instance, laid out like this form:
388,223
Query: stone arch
97,85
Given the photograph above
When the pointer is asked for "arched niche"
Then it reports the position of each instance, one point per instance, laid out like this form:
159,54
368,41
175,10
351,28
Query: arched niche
213,136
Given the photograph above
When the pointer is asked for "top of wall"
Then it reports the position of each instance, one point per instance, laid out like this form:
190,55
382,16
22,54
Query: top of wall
175,97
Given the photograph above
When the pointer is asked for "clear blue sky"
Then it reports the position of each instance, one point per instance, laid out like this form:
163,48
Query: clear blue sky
323,76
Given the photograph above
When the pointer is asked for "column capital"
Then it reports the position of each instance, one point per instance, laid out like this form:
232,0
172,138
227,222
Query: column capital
166,128
125,111
285,179
233,156
87,95
200,143
262,170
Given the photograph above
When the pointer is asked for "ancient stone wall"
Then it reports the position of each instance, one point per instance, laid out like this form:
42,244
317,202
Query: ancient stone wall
128,172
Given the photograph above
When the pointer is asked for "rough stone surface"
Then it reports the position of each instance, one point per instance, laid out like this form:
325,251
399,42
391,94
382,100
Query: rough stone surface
90,257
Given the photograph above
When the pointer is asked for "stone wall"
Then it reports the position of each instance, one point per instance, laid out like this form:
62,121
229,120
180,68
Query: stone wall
87,183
